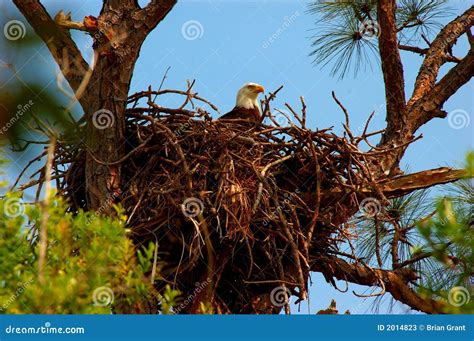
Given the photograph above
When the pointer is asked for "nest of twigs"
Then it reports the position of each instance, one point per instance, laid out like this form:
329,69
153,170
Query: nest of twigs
231,204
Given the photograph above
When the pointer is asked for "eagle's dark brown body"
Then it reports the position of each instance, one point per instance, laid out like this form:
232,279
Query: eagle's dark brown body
251,115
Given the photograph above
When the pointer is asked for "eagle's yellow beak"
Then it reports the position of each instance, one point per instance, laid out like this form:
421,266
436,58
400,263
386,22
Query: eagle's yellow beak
258,89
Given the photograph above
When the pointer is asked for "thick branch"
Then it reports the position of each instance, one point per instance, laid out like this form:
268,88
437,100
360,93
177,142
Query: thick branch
391,64
423,51
406,184
429,106
153,13
438,53
58,40
394,281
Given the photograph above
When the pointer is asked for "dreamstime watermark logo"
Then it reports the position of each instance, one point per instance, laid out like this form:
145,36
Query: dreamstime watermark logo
14,30
103,296
280,296
370,207
458,119
288,20
21,110
282,118
179,132
199,287
111,198
105,30
192,30
192,207
103,119
15,295
46,329
369,29
13,207
459,296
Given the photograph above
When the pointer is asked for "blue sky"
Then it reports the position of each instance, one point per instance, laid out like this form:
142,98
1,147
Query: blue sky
224,44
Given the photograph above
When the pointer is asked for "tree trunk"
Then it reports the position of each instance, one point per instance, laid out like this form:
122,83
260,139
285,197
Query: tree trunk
118,33
116,48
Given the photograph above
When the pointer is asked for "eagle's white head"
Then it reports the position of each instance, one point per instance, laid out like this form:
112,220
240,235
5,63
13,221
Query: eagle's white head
247,96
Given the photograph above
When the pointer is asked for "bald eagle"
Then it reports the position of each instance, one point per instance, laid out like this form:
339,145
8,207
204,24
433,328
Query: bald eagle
246,107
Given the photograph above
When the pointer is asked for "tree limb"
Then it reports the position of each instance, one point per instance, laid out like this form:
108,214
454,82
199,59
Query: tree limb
153,13
423,51
65,21
429,106
406,184
437,54
58,40
394,281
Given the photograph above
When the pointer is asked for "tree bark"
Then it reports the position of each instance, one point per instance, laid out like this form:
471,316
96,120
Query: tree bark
428,98
118,34
437,54
394,81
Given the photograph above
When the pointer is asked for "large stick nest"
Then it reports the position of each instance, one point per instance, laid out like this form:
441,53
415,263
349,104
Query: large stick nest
243,207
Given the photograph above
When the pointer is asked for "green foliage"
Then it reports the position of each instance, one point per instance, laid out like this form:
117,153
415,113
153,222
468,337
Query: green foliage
23,116
436,240
345,35
470,165
169,300
29,110
406,211
449,237
91,264
83,254
347,31
419,17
